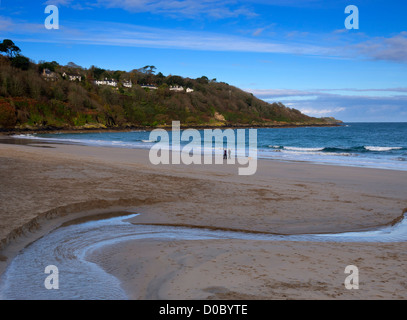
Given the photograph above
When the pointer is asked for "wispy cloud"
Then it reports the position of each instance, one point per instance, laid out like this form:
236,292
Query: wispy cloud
5,23
290,3
322,112
120,34
59,2
293,42
188,8
258,31
389,90
388,104
175,8
389,49
275,93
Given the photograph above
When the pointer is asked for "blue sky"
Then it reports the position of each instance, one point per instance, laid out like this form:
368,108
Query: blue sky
296,52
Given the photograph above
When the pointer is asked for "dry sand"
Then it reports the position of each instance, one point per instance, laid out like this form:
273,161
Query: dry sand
43,185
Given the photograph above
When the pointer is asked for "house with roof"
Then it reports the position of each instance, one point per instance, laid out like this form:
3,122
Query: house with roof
181,89
177,88
49,75
106,82
127,84
149,86
72,77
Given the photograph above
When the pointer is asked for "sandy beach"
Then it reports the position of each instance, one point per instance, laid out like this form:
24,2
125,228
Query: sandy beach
43,185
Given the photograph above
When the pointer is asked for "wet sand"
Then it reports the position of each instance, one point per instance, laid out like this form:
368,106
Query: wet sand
43,186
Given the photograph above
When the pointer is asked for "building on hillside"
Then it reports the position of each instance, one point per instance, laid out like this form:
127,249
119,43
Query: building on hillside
72,77
172,88
149,86
106,82
177,88
127,84
49,75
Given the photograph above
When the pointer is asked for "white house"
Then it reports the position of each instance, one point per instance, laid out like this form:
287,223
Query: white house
72,77
181,89
127,84
172,88
149,86
106,82
177,88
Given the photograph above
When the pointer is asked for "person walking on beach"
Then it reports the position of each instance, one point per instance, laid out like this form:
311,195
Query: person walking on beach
229,153
224,154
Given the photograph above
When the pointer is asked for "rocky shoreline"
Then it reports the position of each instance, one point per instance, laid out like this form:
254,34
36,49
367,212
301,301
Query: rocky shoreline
50,129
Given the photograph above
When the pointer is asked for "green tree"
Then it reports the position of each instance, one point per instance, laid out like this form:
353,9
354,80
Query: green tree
203,80
9,48
175,81
147,70
48,65
159,79
97,72
20,62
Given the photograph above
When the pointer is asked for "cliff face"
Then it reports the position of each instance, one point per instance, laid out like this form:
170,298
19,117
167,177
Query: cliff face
36,100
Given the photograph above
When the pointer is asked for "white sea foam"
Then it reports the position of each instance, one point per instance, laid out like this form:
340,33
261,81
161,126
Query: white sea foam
373,148
25,136
375,156
89,142
303,149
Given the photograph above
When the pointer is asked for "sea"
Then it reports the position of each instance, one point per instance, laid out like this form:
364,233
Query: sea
372,145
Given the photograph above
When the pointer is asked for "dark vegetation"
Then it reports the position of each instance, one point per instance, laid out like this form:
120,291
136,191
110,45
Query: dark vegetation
29,100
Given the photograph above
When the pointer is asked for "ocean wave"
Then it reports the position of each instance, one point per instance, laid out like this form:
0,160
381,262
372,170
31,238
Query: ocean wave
24,136
342,150
373,148
318,153
89,142
327,150
303,149
34,137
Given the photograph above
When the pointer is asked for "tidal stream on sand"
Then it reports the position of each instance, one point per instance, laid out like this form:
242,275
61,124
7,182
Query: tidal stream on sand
68,247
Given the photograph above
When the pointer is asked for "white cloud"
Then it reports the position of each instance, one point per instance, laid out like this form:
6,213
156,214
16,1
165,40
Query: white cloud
177,8
278,92
120,34
5,23
58,2
388,104
294,94
389,49
321,112
258,32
